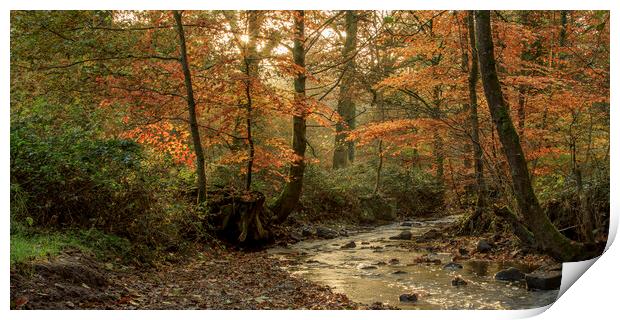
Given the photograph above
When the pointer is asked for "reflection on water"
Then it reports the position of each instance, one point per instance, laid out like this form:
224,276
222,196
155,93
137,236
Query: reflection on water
366,274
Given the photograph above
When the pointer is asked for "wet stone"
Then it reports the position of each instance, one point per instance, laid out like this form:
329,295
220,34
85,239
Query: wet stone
404,235
427,259
452,266
510,274
326,233
408,297
429,235
349,245
458,281
394,261
543,280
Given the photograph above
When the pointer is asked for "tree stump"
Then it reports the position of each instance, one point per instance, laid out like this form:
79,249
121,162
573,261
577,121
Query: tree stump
239,216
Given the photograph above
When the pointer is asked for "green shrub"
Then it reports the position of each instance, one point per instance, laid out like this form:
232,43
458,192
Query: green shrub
416,192
65,174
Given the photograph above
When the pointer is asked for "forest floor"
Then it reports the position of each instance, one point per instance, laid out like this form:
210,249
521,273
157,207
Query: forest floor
215,277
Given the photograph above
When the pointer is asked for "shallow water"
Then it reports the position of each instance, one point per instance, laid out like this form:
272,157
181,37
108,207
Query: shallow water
357,273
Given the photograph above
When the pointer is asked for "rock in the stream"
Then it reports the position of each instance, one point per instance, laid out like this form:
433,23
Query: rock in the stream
394,261
429,235
364,266
408,297
510,274
326,233
458,281
405,235
399,272
426,259
543,280
453,266
365,242
483,246
349,245
406,224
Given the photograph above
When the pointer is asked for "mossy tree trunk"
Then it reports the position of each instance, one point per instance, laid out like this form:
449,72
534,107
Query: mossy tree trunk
344,151
546,235
289,198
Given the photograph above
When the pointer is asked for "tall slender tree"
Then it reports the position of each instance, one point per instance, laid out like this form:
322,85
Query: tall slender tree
546,235
289,198
250,68
191,107
344,151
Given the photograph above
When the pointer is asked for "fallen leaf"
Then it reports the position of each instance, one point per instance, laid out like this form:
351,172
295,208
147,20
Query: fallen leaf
21,301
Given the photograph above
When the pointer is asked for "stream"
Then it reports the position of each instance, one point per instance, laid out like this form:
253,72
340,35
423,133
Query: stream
365,273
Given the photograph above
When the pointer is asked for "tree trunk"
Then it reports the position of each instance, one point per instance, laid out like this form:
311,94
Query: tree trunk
438,152
191,106
379,168
250,61
344,151
475,127
475,219
585,219
289,198
521,111
546,235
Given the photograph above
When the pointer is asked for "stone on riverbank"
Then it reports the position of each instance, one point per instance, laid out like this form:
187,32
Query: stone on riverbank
483,246
326,233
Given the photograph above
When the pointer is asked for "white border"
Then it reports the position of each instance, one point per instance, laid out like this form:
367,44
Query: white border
591,296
